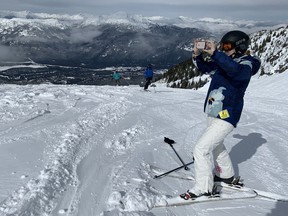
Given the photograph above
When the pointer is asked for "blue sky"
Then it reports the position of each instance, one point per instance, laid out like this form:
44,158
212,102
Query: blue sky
262,10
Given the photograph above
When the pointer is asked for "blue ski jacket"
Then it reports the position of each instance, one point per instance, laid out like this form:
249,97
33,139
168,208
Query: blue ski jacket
117,76
148,73
230,78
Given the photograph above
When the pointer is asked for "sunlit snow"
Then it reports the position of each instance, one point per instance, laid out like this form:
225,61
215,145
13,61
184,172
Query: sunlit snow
94,150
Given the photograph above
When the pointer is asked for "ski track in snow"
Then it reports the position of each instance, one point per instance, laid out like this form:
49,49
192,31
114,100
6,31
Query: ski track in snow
95,149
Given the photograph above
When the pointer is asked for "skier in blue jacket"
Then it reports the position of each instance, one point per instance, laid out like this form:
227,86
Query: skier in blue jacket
148,74
231,71
117,77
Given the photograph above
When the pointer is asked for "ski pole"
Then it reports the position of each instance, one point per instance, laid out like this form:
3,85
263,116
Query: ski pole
171,142
173,170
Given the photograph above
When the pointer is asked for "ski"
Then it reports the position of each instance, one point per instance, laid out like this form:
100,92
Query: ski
223,191
241,187
260,193
225,194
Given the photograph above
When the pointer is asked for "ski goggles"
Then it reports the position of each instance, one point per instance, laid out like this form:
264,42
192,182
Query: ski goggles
226,46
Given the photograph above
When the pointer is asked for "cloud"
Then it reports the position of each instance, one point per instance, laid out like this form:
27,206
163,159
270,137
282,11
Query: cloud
9,54
244,9
83,35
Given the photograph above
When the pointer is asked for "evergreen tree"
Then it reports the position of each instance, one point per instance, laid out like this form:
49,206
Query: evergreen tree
181,76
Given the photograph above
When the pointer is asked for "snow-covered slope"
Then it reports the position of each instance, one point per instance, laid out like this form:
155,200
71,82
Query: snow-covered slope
93,150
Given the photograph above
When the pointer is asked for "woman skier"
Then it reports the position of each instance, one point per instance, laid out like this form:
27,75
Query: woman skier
231,71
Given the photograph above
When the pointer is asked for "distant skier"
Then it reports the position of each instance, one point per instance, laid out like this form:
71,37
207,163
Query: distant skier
117,77
232,70
148,74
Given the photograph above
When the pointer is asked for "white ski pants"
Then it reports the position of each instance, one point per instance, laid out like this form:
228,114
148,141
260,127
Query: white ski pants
211,145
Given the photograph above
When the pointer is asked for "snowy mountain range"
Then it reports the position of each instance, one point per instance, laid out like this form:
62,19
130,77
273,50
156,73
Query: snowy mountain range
100,41
67,49
94,42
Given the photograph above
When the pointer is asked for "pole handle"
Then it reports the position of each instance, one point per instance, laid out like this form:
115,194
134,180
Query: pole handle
168,141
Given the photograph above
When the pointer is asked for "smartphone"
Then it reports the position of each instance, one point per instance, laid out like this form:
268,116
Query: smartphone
200,44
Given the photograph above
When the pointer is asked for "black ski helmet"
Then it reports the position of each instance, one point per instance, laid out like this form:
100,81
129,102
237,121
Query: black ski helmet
239,40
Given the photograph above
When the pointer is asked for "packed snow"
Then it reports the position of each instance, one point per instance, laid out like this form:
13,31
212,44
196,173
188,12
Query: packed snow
94,150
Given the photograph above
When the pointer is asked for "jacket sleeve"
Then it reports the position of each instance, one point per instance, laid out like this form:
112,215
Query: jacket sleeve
145,73
256,62
204,66
237,70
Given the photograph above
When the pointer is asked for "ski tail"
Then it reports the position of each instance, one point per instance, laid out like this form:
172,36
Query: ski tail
260,193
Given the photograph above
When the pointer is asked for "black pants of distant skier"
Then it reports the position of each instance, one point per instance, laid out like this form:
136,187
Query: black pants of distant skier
117,82
148,82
